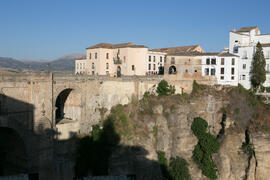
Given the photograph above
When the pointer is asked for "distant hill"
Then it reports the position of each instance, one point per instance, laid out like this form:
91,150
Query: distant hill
10,63
64,63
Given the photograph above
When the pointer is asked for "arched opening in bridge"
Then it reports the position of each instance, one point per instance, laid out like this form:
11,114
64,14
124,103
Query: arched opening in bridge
68,106
13,158
172,70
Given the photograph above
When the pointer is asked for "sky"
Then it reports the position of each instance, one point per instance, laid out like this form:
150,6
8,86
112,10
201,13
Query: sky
48,29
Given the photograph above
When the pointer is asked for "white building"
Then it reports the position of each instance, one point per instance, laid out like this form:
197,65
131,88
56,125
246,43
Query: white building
243,43
156,60
224,66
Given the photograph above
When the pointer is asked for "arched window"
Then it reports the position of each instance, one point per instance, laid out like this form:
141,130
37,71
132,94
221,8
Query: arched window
172,70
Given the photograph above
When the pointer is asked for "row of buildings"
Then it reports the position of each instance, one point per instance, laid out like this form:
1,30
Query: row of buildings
228,67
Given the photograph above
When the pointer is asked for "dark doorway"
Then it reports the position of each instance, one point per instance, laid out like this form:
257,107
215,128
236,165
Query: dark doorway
160,70
118,71
172,70
13,160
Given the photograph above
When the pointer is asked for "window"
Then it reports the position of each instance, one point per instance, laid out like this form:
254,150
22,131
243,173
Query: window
149,58
235,49
243,77
267,68
236,41
154,59
232,77
208,61
149,66
244,66
154,66
90,56
213,61
107,73
93,66
207,71
232,71
172,60
95,55
93,72
244,54
222,61
195,70
186,71
107,65
160,58
222,77
133,68
213,72
233,61
222,71
107,55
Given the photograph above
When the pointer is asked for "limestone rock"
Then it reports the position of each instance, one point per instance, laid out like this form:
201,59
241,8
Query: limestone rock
261,144
231,160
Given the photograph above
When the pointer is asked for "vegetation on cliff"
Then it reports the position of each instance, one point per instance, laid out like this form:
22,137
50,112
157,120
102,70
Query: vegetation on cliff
248,110
94,150
207,145
164,89
176,169
150,122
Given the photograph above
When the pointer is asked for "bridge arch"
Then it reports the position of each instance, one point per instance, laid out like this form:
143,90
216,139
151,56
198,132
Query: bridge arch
68,105
13,157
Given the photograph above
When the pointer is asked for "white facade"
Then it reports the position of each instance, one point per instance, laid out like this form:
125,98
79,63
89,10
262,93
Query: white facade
80,66
155,60
243,43
223,66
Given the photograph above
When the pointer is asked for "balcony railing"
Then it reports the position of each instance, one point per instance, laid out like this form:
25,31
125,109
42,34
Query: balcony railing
118,61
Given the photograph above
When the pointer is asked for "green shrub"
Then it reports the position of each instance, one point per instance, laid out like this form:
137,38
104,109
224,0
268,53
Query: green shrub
207,145
163,163
93,151
179,169
199,127
164,89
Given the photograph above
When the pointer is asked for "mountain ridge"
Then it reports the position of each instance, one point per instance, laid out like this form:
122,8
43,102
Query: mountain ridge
63,63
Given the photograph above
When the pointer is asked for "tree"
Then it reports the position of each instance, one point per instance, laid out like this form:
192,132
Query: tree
179,169
164,89
207,145
258,73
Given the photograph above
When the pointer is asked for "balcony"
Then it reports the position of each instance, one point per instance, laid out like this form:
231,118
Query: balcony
118,61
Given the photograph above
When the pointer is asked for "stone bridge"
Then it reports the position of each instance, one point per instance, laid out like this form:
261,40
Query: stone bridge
36,109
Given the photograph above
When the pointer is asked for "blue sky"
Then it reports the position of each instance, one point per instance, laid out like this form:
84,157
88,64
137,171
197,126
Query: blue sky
47,29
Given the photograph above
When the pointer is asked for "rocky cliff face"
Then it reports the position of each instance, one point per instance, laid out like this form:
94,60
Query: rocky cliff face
164,124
